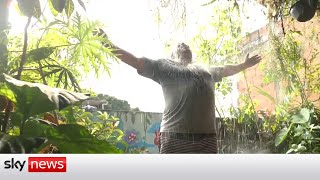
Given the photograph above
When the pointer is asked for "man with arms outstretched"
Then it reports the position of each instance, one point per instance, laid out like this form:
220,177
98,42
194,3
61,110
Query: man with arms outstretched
188,124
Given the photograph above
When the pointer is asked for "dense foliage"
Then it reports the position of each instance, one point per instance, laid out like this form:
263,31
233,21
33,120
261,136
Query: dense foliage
40,68
55,51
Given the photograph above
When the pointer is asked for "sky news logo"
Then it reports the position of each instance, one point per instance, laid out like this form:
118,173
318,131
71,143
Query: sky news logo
38,164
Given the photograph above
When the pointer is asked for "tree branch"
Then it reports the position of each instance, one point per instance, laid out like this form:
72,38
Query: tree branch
23,60
25,46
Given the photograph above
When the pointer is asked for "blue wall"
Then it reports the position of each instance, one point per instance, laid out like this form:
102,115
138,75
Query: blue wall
141,130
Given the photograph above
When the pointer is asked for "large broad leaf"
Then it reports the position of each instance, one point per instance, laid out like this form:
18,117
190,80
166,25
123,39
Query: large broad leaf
34,98
57,5
69,138
18,144
282,135
30,8
302,116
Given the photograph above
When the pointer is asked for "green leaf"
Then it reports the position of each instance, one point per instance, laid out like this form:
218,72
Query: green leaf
297,148
264,93
82,141
236,5
57,5
208,3
69,115
19,144
35,98
314,127
302,117
294,146
73,81
299,130
282,136
119,131
69,8
37,10
301,148
52,8
40,53
5,91
30,8
70,138
16,118
82,4
54,71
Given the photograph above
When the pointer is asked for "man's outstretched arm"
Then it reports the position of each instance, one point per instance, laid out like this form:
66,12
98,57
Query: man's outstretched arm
123,55
230,70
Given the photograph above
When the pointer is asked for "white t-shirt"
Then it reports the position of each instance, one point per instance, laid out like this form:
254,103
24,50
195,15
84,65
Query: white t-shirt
189,95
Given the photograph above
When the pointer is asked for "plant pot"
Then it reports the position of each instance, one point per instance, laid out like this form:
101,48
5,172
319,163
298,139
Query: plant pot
304,10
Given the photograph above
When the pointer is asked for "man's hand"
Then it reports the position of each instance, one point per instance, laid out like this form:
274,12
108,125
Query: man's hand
123,55
230,70
251,61
100,32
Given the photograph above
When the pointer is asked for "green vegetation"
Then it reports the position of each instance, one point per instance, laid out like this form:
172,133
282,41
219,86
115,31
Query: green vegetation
55,52
40,71
293,125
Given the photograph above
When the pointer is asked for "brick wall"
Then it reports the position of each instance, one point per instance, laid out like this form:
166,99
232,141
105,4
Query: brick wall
258,43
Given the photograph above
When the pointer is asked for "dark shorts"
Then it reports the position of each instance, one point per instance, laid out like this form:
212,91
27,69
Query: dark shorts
181,143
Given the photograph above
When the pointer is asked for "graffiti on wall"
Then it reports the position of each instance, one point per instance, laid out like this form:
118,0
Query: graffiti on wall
142,130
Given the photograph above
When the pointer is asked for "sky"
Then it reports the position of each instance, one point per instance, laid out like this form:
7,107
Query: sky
132,25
